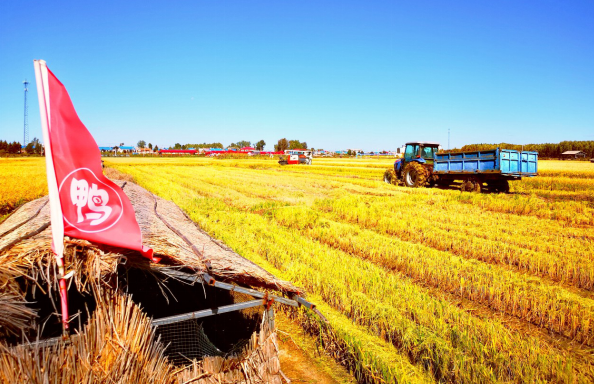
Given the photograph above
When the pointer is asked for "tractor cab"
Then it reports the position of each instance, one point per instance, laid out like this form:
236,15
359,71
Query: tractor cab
417,155
420,151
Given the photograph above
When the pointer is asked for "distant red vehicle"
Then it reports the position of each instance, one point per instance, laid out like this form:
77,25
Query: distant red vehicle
296,156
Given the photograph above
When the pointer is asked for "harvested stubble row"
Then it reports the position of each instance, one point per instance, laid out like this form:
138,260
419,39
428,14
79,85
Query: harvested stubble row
501,289
476,239
446,341
570,212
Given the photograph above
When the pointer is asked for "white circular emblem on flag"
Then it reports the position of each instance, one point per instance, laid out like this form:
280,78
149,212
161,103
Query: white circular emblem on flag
88,204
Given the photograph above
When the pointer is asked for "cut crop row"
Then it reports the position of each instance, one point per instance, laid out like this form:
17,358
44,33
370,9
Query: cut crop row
397,218
503,290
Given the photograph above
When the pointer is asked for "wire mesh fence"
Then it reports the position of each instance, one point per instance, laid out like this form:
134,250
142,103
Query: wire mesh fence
186,341
219,335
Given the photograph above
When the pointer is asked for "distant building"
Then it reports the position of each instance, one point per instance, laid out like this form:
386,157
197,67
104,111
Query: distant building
573,155
126,149
355,151
144,151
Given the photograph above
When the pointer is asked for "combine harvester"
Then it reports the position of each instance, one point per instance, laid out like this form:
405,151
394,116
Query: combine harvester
422,166
296,156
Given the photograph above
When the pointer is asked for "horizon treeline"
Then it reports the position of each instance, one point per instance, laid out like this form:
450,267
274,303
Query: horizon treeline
34,147
14,147
544,150
196,146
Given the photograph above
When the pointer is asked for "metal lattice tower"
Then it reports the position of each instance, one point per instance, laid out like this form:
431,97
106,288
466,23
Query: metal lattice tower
26,118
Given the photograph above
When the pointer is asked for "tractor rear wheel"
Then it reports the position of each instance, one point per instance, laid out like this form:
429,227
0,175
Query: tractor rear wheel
390,177
415,175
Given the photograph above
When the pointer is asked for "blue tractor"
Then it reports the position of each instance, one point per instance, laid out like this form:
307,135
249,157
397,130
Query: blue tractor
415,169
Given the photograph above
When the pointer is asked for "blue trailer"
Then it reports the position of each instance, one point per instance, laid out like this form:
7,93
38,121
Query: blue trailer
494,167
424,165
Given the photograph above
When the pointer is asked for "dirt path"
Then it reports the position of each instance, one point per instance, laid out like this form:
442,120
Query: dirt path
301,361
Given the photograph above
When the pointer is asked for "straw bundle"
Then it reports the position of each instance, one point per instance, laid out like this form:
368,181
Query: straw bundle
116,346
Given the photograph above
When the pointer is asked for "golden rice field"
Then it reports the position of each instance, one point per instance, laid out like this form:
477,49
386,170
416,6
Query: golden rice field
420,285
21,180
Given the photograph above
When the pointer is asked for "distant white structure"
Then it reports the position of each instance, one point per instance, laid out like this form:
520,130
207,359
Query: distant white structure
355,150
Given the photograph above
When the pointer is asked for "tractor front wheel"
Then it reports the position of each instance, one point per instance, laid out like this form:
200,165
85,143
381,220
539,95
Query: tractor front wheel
390,177
415,175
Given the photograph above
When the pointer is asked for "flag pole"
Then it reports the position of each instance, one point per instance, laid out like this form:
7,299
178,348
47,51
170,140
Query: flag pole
57,221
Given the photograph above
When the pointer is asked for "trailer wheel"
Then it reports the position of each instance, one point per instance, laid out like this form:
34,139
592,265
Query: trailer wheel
466,186
471,185
502,186
498,186
477,185
441,183
415,175
390,177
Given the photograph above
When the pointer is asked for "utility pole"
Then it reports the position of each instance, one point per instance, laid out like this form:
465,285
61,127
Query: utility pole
26,119
449,138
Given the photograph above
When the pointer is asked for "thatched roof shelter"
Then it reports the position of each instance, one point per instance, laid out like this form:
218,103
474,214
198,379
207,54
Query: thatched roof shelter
127,314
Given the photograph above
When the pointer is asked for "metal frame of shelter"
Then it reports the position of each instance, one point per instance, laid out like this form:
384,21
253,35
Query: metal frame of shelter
260,299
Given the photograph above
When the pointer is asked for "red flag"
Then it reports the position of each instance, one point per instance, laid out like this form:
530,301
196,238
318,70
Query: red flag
93,207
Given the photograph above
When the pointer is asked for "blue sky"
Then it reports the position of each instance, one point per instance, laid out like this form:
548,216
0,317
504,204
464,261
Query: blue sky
337,74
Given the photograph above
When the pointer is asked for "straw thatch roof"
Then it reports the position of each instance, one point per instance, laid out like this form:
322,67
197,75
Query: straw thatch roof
117,342
25,237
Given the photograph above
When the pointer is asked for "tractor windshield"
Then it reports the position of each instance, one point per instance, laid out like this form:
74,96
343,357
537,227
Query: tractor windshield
412,150
429,152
